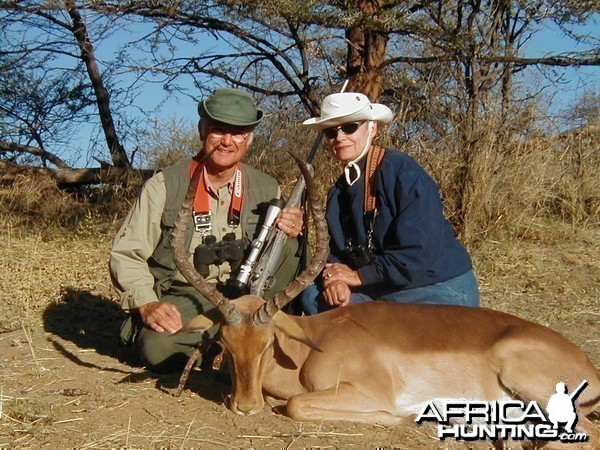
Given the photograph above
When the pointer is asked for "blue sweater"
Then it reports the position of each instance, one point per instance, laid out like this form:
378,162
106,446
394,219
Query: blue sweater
414,245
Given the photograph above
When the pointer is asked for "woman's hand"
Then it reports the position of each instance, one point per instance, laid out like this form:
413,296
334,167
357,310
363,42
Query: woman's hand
337,294
334,272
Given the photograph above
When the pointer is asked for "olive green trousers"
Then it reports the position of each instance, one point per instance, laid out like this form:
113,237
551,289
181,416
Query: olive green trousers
166,352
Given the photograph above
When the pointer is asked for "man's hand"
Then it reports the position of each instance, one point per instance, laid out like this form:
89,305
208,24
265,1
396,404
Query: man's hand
335,272
291,221
337,294
161,316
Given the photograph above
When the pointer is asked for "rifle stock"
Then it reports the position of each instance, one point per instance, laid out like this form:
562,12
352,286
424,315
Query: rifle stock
265,268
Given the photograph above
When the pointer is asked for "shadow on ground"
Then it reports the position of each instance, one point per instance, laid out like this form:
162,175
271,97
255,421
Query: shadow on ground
88,320
91,321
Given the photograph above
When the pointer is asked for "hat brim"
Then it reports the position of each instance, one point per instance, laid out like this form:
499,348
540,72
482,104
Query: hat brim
380,113
229,120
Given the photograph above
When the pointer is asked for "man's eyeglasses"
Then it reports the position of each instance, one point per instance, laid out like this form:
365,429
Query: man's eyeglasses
236,136
346,128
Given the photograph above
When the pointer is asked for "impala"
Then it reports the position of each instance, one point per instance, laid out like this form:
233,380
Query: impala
379,362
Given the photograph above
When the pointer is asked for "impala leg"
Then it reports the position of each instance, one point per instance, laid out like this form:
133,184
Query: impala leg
341,402
585,425
526,363
200,350
186,371
529,364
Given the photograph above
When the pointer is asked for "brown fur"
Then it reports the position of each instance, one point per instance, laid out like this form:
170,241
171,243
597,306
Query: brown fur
373,362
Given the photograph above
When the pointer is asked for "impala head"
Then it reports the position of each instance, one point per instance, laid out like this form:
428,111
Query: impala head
249,348
248,323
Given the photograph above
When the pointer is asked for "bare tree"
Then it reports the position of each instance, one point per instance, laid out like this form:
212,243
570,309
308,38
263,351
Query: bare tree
36,100
41,96
442,62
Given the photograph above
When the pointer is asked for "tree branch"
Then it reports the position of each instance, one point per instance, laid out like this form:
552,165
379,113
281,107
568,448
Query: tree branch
76,177
564,61
20,148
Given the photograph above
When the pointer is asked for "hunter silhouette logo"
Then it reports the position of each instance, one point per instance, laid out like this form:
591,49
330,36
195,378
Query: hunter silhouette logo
511,419
561,407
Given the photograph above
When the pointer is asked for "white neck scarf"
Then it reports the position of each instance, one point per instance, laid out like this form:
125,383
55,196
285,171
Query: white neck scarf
352,170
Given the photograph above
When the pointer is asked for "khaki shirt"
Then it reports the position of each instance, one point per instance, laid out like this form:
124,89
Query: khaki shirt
141,231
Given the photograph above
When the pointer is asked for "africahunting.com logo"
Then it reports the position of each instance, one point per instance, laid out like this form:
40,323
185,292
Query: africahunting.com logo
473,420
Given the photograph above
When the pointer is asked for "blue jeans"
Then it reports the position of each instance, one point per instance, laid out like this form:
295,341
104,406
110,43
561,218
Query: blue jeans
461,291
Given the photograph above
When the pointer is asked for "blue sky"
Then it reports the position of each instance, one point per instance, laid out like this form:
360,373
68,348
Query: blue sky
573,83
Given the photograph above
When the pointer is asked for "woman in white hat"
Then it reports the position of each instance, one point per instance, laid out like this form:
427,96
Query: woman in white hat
389,237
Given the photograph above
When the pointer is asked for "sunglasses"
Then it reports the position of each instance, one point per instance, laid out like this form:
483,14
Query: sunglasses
346,128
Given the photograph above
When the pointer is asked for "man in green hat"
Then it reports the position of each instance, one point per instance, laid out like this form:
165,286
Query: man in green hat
227,210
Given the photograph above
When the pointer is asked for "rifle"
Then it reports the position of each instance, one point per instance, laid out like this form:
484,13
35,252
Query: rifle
578,390
260,271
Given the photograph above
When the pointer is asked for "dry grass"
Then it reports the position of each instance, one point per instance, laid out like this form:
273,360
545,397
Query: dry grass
85,397
533,237
35,271
516,185
36,205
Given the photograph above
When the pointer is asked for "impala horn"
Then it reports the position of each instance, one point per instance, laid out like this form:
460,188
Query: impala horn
181,256
265,313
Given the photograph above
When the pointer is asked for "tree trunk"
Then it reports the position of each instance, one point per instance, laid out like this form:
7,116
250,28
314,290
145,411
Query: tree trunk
366,53
79,30
43,154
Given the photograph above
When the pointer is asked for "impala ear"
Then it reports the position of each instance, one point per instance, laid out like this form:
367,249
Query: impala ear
291,329
203,322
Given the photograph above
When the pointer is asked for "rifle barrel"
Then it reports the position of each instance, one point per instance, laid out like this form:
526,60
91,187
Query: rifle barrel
271,250
580,388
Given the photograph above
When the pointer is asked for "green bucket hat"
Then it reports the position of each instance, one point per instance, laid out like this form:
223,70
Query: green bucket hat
230,106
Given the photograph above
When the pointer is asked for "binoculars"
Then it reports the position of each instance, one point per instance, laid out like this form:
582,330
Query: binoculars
358,255
210,252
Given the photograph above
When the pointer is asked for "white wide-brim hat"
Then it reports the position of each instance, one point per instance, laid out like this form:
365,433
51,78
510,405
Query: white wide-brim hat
337,109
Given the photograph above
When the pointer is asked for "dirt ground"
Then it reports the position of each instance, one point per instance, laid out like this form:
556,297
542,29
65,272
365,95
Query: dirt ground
62,384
